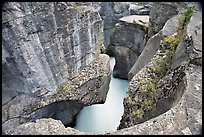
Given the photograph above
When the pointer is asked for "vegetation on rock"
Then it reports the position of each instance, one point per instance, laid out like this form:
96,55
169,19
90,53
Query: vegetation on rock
144,98
63,88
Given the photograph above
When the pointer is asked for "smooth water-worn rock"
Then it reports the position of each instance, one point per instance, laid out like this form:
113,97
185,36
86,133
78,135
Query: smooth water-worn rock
185,118
90,86
104,117
127,42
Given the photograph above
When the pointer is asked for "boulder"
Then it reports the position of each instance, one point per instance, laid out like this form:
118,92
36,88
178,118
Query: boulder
127,42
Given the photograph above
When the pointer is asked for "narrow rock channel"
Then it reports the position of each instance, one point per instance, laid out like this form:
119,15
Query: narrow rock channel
107,116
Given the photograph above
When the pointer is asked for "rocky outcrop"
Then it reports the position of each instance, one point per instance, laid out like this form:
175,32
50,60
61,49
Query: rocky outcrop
185,118
179,78
51,60
127,42
111,12
160,12
193,48
153,45
89,87
140,9
160,84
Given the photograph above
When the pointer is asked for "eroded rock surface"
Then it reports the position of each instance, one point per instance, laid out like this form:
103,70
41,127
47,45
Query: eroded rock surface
159,14
51,59
185,118
160,84
90,86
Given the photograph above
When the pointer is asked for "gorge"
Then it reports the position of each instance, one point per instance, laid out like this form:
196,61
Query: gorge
107,116
55,62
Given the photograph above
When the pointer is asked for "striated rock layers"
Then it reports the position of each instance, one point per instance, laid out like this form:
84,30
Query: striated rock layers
161,83
51,61
45,44
127,42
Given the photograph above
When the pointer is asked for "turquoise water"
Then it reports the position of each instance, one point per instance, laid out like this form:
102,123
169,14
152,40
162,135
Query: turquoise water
107,116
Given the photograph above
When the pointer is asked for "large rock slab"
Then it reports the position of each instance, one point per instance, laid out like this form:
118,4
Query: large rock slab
185,118
45,46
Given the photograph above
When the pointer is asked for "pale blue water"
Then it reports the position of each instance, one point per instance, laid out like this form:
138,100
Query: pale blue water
107,116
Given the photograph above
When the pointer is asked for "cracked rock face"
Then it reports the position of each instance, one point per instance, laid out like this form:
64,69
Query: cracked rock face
45,44
90,86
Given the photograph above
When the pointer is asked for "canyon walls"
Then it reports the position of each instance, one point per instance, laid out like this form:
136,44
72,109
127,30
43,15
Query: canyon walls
51,59
46,44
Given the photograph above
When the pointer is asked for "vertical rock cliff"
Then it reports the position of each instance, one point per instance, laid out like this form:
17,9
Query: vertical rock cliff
51,61
45,44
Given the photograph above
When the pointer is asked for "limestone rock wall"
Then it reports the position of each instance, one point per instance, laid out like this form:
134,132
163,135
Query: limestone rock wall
51,54
153,45
45,44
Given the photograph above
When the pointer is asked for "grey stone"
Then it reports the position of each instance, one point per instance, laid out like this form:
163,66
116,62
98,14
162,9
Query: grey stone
153,45
127,42
159,14
139,9
190,46
38,47
183,118
111,12
45,45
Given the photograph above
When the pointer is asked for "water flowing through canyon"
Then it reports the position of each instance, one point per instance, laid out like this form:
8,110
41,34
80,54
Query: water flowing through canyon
107,116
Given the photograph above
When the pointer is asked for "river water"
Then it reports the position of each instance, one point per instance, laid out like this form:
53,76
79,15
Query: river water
107,116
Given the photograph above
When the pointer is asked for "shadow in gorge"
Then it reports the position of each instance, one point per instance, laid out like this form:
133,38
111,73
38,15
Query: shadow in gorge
65,111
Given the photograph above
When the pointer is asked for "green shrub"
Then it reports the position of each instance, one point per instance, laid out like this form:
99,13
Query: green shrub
63,88
138,113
